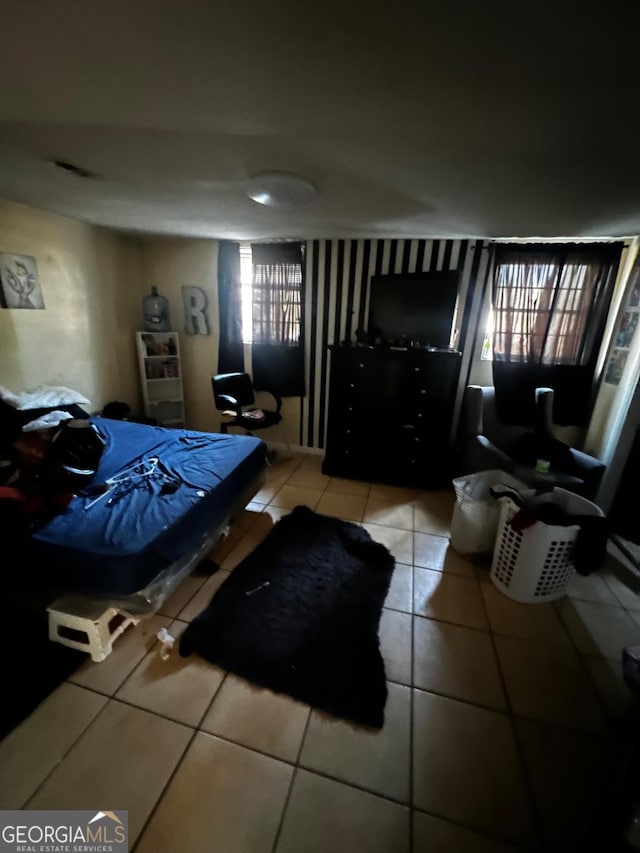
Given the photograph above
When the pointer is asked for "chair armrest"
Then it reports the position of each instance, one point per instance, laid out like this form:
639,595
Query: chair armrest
479,454
471,412
589,469
230,402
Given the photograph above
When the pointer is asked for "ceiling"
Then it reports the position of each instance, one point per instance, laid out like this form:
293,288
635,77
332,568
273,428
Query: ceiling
413,119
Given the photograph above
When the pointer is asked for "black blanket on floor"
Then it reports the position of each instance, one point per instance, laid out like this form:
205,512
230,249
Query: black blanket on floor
300,616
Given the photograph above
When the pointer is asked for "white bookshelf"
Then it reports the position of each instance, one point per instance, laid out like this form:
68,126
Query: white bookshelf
160,369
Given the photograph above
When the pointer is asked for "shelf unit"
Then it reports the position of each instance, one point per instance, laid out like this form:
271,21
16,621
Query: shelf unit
160,369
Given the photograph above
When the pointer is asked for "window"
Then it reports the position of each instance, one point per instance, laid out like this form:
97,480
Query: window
271,293
544,304
550,304
277,293
487,343
277,347
246,292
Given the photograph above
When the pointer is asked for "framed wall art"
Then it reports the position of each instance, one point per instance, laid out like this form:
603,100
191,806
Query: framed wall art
19,282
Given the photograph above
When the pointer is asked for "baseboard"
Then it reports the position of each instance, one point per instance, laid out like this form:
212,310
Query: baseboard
296,448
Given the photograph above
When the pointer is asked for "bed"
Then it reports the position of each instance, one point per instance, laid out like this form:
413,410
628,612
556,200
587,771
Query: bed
157,504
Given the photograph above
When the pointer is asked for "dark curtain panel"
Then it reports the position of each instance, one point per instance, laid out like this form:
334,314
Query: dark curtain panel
230,348
277,351
550,304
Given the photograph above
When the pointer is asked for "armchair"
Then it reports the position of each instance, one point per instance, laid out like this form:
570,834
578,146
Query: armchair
485,442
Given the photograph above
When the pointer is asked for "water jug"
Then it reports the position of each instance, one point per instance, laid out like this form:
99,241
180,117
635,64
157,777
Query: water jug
155,309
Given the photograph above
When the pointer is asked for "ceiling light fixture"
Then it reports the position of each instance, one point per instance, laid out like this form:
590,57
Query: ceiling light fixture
280,189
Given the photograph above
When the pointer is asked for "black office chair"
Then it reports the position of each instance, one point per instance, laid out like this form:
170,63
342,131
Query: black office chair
234,397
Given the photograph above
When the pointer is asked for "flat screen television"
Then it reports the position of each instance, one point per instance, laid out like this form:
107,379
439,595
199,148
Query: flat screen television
413,308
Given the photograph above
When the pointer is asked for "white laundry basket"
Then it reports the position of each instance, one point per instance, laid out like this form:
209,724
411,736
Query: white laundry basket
476,513
535,564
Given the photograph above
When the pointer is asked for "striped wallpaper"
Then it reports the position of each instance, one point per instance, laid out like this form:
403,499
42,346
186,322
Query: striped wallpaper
337,293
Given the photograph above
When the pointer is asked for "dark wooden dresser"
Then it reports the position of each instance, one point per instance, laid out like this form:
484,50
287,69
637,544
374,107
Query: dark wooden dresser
390,415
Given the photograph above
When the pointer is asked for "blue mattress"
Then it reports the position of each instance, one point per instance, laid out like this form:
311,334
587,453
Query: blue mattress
165,489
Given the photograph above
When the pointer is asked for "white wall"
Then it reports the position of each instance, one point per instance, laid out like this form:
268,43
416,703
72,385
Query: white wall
83,338
169,264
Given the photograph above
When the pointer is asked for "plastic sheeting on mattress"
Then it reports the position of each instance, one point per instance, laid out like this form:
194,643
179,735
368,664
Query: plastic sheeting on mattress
156,493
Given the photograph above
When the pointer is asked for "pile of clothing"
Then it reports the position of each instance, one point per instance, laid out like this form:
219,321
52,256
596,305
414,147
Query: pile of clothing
590,546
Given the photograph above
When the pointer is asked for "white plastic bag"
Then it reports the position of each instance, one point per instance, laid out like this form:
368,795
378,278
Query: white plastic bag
474,525
167,641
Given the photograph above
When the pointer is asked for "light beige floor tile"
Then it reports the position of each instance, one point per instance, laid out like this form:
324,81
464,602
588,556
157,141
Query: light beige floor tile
398,494
434,835
375,760
597,629
262,524
124,758
179,688
128,651
348,507
457,662
537,622
430,550
292,496
225,544
389,513
268,491
223,798
312,461
617,698
548,683
395,645
435,552
466,767
305,476
400,595
245,546
202,598
591,588
449,598
287,456
257,718
278,475
438,500
482,565
283,469
246,518
324,815
274,482
624,586
255,506
273,514
33,748
182,595
569,772
432,513
399,542
349,487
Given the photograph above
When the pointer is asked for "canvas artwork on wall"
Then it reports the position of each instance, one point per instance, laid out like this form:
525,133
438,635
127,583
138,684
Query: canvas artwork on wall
627,325
19,282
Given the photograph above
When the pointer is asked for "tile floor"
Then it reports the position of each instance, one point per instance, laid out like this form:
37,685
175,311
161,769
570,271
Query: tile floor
503,722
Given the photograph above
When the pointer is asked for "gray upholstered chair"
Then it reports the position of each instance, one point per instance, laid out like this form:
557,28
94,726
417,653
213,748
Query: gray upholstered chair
485,442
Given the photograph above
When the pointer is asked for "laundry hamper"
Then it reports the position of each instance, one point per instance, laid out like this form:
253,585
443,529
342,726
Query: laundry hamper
474,523
535,564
